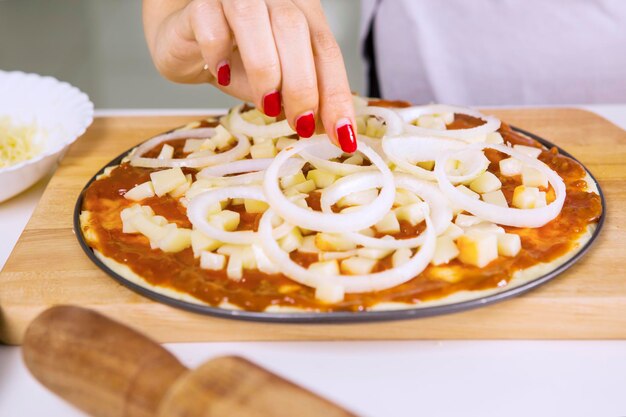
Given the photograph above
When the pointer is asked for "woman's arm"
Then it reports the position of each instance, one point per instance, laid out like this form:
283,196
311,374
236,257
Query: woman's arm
269,52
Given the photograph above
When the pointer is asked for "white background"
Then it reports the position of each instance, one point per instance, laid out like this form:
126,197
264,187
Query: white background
430,378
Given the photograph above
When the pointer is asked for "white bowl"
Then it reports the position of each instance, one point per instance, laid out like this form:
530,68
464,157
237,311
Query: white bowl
61,111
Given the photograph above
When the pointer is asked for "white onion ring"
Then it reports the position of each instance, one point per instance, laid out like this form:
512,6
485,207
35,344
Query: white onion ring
239,151
535,217
197,213
393,121
351,283
440,211
360,219
319,155
271,131
468,135
250,171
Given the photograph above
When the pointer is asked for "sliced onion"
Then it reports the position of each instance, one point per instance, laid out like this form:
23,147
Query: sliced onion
319,154
198,216
468,135
393,121
440,211
349,184
406,151
271,131
250,171
237,152
360,219
535,217
351,283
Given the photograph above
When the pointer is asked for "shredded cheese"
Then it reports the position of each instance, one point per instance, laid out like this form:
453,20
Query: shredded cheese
17,142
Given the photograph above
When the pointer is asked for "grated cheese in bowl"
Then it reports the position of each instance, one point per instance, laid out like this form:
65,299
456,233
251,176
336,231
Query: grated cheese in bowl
18,142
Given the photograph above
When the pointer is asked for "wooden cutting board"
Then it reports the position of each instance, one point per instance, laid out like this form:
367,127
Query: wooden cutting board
47,266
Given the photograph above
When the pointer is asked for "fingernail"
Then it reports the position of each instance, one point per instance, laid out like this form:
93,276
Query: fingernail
271,104
305,125
223,73
346,136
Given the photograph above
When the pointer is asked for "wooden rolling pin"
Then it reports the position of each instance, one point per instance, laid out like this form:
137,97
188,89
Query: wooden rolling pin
110,370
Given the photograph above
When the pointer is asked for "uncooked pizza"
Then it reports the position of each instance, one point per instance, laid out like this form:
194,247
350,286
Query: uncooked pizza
438,205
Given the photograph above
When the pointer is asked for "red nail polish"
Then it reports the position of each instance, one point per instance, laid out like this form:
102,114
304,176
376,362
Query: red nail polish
346,136
223,73
305,125
271,104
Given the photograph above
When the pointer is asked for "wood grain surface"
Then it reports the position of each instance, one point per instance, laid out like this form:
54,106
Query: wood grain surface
47,266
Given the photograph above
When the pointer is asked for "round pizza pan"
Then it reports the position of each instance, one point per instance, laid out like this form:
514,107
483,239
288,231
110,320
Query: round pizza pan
343,316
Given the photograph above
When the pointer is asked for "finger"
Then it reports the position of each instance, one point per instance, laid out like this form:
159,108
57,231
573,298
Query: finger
335,99
250,22
299,81
212,33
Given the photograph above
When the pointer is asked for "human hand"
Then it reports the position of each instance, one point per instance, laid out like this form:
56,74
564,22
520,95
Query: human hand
268,52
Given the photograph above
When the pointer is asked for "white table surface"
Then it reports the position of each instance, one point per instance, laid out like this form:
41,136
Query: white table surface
430,378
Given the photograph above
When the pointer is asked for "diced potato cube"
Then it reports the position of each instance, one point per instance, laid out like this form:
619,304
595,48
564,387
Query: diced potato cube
140,192
167,152
234,268
308,245
400,257
509,244
510,167
467,191
467,220
373,253
358,198
374,128
325,267
207,145
445,250
193,145
485,227
230,249
494,137
453,231
257,140
477,249
412,213
222,138
263,150
361,125
291,241
485,183
447,117
283,142
201,242
427,165
321,178
495,197
248,258
175,240
329,293
327,256
212,261
404,197
525,197
255,206
388,224
541,200
357,266
291,180
167,180
304,187
264,264
226,220
144,225
530,151
532,177
332,242
354,160
182,189
430,121
159,220
237,201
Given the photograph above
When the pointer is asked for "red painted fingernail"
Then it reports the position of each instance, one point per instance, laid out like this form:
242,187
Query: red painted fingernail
223,73
305,125
271,104
346,136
